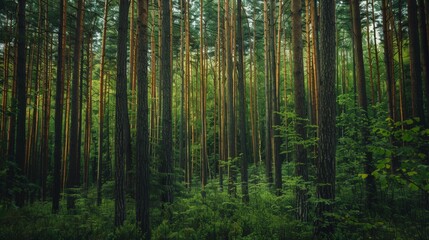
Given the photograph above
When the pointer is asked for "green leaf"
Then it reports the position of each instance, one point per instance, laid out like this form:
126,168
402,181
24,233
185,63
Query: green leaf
363,175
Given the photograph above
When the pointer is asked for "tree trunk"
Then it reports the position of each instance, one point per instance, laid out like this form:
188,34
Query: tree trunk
73,178
122,121
142,148
424,50
363,103
21,96
415,66
88,118
388,58
301,168
203,99
242,106
166,168
268,103
59,107
230,101
44,156
101,108
276,141
325,163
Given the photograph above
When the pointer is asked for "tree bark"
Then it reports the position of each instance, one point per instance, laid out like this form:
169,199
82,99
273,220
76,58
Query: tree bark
59,99
325,163
142,148
301,168
21,95
101,108
415,65
122,140
73,179
363,103
268,103
242,106
166,168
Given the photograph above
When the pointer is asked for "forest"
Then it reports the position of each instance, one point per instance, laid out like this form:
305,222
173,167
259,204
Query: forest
233,119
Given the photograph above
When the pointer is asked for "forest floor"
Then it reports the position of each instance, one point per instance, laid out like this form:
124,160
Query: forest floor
215,216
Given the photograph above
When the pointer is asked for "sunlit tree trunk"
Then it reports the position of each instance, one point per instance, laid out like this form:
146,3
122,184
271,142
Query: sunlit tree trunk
66,146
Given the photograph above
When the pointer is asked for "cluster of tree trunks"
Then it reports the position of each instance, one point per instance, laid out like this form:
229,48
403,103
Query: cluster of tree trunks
230,137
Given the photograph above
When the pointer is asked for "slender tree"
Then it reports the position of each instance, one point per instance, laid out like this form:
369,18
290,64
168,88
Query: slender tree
21,96
142,146
415,64
268,103
73,179
166,168
122,140
363,103
424,50
301,168
101,107
325,164
242,105
230,99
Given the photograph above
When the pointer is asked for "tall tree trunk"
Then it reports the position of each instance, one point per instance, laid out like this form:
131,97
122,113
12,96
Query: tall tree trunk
242,106
166,168
67,123
424,50
301,168
268,103
316,59
377,64
388,58
325,163
122,140
44,156
88,118
101,107
142,148
363,103
368,42
3,130
204,157
73,179
230,100
415,66
21,96
275,101
187,111
59,98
